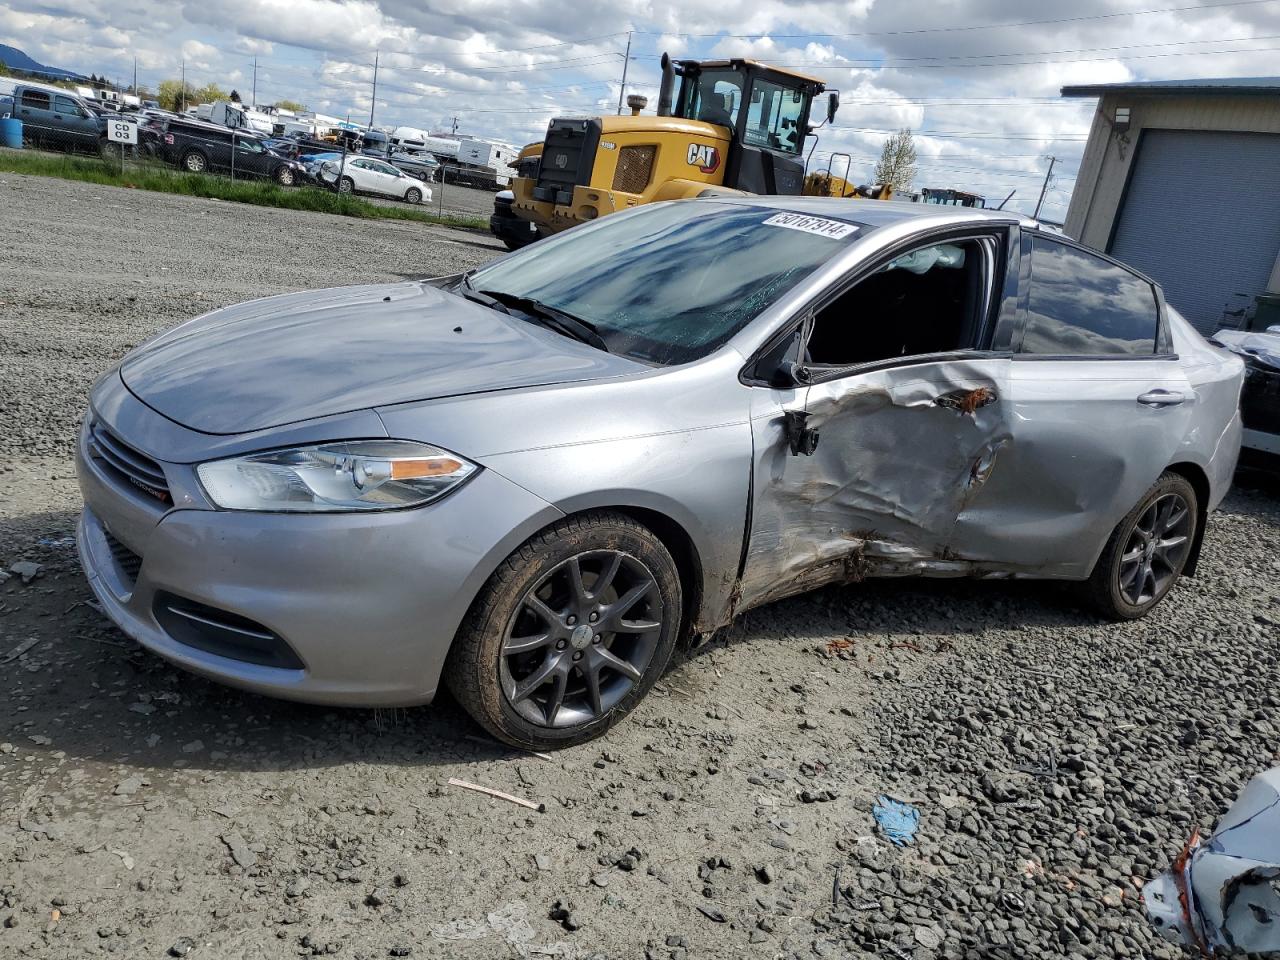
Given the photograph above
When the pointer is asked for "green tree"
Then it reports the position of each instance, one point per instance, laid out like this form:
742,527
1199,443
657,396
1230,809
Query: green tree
897,166
170,95
209,93
293,105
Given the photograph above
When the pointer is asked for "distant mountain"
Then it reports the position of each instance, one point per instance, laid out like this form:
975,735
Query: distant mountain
15,59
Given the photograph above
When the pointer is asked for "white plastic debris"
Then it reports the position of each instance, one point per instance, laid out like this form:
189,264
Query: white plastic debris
1222,895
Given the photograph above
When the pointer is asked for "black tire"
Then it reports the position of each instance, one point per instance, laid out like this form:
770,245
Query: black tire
413,195
1147,551
194,161
347,186
285,176
486,677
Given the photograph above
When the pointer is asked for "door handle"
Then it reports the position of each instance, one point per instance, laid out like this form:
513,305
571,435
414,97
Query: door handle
1161,398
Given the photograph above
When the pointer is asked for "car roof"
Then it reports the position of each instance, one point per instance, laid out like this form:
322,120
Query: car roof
880,213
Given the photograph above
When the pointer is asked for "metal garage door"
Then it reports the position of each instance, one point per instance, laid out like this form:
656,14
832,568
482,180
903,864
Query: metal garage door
1201,214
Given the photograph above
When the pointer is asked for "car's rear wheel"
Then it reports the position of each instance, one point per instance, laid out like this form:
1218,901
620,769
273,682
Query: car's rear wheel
1147,552
569,633
413,195
285,176
195,161
346,185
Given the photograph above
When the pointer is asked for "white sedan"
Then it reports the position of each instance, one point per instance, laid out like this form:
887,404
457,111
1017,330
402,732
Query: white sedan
369,175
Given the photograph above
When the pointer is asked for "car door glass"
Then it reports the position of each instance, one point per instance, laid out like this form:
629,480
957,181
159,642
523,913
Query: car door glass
1083,305
67,107
250,146
35,99
925,301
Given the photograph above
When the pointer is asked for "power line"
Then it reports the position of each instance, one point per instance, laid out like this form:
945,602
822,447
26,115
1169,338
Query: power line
965,27
891,61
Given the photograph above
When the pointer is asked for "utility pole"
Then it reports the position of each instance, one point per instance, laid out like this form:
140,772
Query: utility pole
253,97
455,126
184,86
375,88
626,60
135,76
1045,188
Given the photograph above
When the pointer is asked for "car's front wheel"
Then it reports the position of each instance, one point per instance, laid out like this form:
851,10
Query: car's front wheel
1147,552
346,185
195,161
413,195
285,176
569,633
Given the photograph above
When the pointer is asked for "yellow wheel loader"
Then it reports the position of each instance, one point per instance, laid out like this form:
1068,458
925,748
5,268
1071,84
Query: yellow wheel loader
731,126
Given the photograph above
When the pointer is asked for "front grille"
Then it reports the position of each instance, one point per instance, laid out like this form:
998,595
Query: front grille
128,464
128,561
222,633
635,164
568,156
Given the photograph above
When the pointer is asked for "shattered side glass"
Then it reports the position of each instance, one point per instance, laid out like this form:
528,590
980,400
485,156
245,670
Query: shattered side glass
1222,895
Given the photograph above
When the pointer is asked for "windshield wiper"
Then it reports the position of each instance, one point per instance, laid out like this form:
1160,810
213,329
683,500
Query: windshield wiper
477,296
576,328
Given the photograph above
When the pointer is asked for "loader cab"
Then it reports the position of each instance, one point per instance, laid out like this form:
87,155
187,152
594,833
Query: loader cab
767,112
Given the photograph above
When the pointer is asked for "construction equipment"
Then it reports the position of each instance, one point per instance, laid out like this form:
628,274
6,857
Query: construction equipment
824,183
952,198
733,126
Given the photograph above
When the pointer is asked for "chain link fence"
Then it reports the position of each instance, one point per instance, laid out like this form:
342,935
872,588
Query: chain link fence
47,122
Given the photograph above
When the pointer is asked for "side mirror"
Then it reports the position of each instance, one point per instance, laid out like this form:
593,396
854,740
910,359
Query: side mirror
833,104
790,374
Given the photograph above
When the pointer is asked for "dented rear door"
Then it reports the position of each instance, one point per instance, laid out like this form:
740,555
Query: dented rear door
899,453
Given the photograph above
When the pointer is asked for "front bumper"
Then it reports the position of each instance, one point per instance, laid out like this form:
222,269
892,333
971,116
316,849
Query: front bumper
368,603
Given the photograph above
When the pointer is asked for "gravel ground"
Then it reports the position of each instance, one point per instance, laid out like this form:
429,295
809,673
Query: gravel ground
1057,762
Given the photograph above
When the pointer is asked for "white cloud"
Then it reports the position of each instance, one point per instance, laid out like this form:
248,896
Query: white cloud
505,67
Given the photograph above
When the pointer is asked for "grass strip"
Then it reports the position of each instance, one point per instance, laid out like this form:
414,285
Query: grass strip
142,175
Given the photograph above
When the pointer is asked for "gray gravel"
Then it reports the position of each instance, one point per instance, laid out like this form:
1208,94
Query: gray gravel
1057,762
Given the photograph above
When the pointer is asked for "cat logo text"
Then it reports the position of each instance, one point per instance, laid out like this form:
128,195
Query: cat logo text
704,157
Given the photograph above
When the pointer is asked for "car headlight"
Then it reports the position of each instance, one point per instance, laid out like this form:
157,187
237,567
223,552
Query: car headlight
335,477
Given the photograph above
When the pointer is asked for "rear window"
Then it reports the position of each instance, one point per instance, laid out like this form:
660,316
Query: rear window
1083,305
673,281
35,98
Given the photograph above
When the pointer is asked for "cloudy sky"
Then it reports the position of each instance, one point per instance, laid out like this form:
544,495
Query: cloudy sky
976,80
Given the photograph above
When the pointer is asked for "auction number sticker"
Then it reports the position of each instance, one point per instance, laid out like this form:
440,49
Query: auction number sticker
821,226
122,131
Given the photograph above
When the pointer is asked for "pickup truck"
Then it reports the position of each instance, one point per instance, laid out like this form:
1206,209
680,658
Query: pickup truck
198,146
54,118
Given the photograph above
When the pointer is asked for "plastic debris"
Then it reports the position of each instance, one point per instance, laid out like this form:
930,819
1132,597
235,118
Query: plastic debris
897,820
1222,895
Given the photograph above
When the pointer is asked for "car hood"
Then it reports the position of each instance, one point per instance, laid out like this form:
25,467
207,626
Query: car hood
304,355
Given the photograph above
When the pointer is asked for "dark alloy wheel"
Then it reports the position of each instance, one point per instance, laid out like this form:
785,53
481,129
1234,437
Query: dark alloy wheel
581,639
569,633
1147,551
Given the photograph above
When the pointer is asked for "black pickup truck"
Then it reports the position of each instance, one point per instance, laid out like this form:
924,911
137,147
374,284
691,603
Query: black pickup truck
198,147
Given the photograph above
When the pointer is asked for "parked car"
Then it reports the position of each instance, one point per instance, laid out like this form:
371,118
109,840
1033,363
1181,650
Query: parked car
421,166
1260,398
368,175
198,146
58,120
530,480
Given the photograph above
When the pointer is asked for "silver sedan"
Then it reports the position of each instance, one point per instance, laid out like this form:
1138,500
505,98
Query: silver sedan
531,481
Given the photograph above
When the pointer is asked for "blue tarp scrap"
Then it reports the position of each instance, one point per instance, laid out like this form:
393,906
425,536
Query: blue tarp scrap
898,820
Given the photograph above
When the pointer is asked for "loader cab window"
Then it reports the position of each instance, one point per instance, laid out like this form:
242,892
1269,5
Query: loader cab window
928,300
713,96
774,116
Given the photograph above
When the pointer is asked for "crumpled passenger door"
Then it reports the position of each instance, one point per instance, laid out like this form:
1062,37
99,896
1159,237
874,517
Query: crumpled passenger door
900,451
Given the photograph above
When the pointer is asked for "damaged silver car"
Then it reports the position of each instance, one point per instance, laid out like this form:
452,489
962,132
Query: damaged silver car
530,481
1223,894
